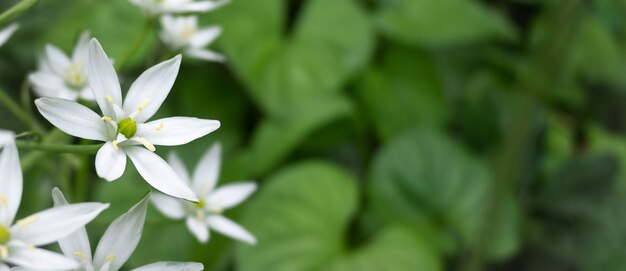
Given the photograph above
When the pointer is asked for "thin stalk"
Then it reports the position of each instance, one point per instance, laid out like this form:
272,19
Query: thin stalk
58,148
20,113
82,181
136,45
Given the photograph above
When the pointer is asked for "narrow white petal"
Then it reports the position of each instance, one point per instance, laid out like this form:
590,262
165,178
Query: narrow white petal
76,245
207,171
205,36
55,223
40,259
159,174
169,206
205,55
171,266
149,91
58,61
231,194
10,180
229,228
179,166
4,267
121,237
103,79
47,84
198,6
176,131
81,50
72,118
6,33
110,162
198,228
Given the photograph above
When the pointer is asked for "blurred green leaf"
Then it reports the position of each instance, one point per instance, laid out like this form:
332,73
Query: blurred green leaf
437,23
424,178
16,10
300,220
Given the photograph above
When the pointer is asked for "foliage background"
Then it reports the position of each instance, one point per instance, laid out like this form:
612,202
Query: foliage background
385,134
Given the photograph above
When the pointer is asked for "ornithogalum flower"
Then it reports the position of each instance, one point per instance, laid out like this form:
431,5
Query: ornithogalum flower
18,240
116,245
61,76
182,34
156,7
6,32
213,202
123,126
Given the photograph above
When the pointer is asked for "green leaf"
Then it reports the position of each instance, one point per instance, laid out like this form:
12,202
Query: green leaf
283,71
424,178
301,218
403,93
16,10
437,23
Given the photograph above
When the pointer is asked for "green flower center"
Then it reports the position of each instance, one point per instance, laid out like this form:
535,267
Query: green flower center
75,76
200,204
5,235
127,127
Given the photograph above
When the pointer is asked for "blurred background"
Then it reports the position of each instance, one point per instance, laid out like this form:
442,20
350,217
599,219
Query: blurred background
385,134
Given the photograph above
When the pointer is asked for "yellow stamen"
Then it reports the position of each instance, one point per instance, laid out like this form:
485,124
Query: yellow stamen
109,99
105,118
80,255
147,144
110,258
31,247
115,145
5,201
216,210
158,128
4,251
143,104
27,221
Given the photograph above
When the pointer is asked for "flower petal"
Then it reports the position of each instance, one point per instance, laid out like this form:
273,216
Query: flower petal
169,206
207,171
103,79
55,223
6,32
229,228
159,174
76,244
179,166
81,50
231,195
58,61
40,259
11,180
121,237
198,6
72,118
176,131
205,55
49,84
198,228
149,91
110,162
205,36
171,266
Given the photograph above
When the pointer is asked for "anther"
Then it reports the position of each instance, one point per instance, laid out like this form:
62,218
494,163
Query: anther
80,255
5,201
111,258
4,251
158,128
115,145
105,118
143,104
147,144
109,99
27,221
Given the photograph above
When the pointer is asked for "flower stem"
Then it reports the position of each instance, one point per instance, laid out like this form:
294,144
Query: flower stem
20,113
59,148
136,45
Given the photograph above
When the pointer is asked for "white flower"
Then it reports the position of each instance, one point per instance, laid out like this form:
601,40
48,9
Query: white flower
123,126
18,241
208,212
116,245
154,7
62,77
182,33
6,33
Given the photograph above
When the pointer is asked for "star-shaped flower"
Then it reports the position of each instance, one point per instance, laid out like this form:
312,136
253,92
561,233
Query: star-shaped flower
6,32
18,240
123,126
155,7
116,245
182,34
213,202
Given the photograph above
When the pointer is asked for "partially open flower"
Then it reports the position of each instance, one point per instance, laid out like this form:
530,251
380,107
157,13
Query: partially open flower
182,34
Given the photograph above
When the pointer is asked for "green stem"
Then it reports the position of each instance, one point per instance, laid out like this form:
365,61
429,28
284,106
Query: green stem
82,174
20,113
17,10
136,45
59,148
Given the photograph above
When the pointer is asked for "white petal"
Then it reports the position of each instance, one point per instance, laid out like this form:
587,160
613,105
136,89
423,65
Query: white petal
169,206
198,228
229,228
176,131
72,118
230,195
81,50
87,94
10,180
4,267
110,162
179,166
205,55
6,33
205,36
76,244
159,174
55,223
121,237
151,88
198,6
171,266
102,78
207,171
58,61
40,259
47,84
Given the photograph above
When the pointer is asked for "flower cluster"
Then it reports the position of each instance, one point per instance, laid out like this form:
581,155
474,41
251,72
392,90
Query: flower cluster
69,87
